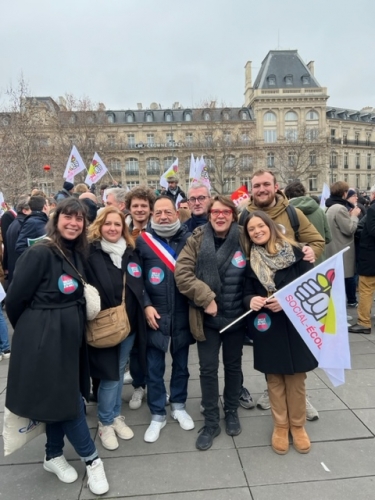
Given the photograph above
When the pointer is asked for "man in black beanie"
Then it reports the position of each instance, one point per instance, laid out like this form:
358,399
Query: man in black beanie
66,192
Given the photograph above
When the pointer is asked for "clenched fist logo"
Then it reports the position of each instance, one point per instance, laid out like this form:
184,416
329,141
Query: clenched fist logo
314,295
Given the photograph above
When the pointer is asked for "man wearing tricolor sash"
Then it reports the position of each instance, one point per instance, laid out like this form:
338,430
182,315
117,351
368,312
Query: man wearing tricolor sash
167,317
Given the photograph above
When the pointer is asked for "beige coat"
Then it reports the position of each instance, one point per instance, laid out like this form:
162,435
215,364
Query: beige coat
343,227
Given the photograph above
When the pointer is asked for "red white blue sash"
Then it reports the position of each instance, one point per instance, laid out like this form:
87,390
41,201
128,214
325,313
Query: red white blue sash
165,253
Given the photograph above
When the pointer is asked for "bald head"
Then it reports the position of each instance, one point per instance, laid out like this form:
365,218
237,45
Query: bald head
88,195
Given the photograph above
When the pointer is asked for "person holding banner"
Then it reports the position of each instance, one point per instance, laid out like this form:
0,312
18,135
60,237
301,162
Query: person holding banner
210,271
274,261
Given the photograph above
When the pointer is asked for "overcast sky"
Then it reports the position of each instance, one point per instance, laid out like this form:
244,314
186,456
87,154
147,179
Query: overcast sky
122,52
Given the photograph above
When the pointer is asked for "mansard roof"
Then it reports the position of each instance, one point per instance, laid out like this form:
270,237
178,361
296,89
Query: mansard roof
364,115
284,69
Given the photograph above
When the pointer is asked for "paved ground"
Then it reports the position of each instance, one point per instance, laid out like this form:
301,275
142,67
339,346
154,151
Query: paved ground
340,466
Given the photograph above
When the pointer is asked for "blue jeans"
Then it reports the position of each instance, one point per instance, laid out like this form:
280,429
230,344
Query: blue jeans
77,431
4,340
155,381
109,393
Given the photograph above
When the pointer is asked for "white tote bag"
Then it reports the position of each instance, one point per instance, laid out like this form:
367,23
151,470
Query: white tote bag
17,431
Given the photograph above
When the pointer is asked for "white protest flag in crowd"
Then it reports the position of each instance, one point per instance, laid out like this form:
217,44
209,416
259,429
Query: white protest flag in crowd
96,170
315,304
74,166
326,193
178,199
171,172
202,173
192,173
2,201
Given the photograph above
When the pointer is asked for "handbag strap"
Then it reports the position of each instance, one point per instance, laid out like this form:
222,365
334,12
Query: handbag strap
70,263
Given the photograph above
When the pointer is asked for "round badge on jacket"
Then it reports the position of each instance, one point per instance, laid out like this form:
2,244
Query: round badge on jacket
134,269
155,275
239,260
67,284
262,322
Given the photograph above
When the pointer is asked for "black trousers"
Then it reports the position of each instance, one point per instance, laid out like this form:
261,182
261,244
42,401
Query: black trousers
208,352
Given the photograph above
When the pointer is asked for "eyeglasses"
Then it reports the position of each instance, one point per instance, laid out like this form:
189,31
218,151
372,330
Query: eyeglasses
200,199
216,212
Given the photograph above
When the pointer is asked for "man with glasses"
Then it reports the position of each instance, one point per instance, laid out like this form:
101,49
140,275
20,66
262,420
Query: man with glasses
199,200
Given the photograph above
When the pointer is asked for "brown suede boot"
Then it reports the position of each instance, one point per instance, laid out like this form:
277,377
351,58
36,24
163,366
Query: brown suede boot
280,440
301,440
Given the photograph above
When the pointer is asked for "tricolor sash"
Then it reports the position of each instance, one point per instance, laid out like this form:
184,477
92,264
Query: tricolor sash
165,253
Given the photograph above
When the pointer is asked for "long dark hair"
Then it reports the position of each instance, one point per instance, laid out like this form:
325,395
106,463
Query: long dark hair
69,206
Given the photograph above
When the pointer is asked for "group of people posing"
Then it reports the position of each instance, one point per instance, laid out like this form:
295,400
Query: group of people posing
181,283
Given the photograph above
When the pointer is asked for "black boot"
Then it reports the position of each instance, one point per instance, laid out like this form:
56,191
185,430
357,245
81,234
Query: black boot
232,423
206,437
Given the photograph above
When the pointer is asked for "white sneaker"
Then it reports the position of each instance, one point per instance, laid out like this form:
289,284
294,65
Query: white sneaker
121,429
108,437
264,401
59,466
184,419
136,400
167,396
6,354
127,378
96,478
153,432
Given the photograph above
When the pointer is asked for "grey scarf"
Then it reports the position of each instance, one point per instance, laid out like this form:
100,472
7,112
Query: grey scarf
166,230
207,267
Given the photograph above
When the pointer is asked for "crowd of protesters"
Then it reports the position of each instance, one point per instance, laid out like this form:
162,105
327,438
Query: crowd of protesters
183,267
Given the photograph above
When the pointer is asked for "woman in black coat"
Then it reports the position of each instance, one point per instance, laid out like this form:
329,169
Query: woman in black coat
113,258
279,350
48,370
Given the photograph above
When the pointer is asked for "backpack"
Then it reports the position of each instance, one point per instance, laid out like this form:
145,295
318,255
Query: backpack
293,219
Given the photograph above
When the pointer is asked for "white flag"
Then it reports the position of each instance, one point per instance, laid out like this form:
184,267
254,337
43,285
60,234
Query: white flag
74,166
192,173
202,173
326,193
178,199
315,304
171,172
96,170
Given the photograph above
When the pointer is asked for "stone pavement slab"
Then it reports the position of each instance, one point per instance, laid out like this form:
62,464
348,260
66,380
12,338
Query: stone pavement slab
224,494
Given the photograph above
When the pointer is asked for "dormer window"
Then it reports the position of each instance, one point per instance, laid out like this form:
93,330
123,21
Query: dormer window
289,80
149,117
129,118
168,116
305,80
271,80
111,118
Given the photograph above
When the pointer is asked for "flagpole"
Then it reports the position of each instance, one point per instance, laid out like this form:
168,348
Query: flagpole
251,310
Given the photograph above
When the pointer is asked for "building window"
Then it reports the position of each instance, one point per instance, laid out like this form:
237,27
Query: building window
91,142
132,184
207,116
346,160
227,137
289,80
312,134
271,80
245,138
312,115
245,181
346,177
208,139
270,160
357,160
291,134
333,133
168,117
305,80
229,162
333,159
115,165
153,166
150,139
149,117
189,139
129,118
269,117
292,159
187,117
131,166
312,158
357,180
168,161
269,135
356,137
225,115
246,162
111,141
169,138
291,116
131,140
368,137
111,118
368,181
313,183
345,138
369,161
229,185
244,115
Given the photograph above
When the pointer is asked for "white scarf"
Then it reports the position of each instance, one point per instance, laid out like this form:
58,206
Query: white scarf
114,250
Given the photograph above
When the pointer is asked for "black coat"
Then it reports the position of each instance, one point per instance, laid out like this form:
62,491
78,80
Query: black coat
10,257
34,226
104,363
163,295
48,368
178,193
366,259
279,349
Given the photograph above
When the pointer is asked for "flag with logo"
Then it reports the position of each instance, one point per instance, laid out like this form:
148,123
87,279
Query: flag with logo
96,170
326,193
201,172
74,165
315,304
171,172
240,196
193,169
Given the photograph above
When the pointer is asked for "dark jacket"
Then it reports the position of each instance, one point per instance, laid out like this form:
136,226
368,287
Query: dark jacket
366,260
195,222
61,195
104,363
161,292
10,257
34,226
5,221
48,368
278,349
176,195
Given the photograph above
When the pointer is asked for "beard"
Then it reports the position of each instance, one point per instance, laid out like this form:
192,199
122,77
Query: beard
264,203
